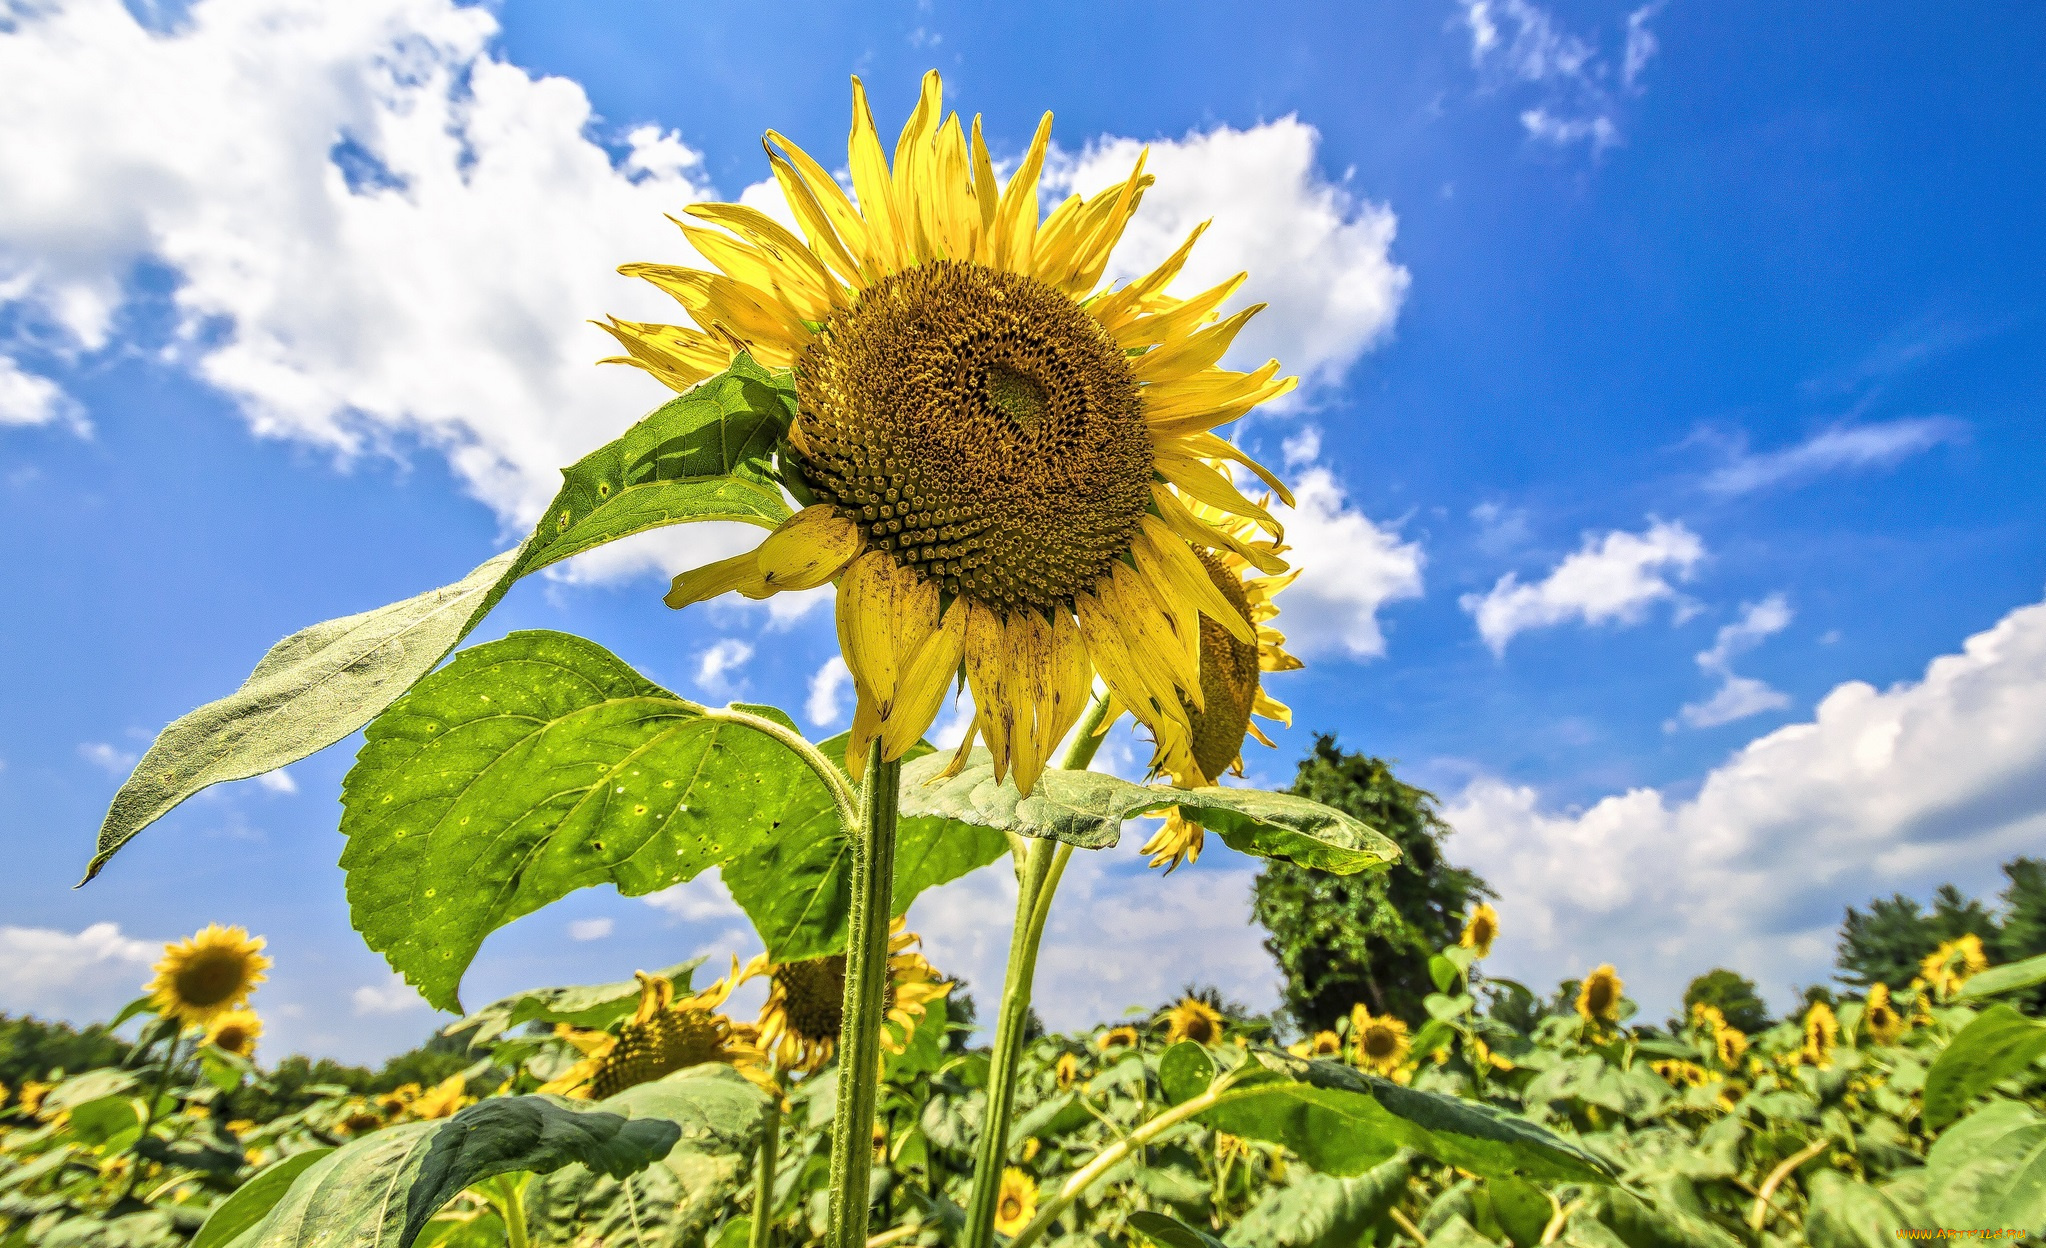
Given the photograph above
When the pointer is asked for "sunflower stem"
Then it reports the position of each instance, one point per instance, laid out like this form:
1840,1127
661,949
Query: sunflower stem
763,1177
1044,863
505,1193
866,984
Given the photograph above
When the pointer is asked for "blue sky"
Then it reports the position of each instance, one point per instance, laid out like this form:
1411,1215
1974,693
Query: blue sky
1669,452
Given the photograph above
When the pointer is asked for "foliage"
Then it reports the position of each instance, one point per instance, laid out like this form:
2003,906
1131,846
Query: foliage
33,1049
1732,994
1886,945
1341,939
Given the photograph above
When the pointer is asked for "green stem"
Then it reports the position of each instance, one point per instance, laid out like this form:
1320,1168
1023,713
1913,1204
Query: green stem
511,1208
763,1177
163,1078
1105,1160
1037,879
866,992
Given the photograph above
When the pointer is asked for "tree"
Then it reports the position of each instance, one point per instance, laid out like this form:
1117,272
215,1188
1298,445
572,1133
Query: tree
1887,944
1735,997
1344,939
2022,934
33,1049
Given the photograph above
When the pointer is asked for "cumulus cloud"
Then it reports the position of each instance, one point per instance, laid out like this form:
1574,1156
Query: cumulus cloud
828,687
1881,791
278,781
78,976
697,900
1302,448
1739,696
1610,579
590,929
1841,448
114,761
715,666
393,996
1315,250
1521,46
1351,567
29,399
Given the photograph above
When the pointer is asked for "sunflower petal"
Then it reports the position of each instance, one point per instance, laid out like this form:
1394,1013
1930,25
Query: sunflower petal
924,682
808,549
1161,551
875,186
1016,222
740,572
987,674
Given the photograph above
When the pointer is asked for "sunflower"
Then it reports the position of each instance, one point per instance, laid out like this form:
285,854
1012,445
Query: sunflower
1232,687
1885,1025
1821,1033
1066,1071
442,1100
1486,1057
1598,1000
1016,1203
1681,1074
1706,1017
1117,1038
399,1099
207,975
806,1001
1031,1147
1193,1019
29,1097
359,1119
1320,1044
662,1036
1480,930
1379,1041
990,448
1953,964
235,1032
1730,1044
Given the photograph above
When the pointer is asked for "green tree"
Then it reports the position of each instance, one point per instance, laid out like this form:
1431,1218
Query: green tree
33,1049
2022,933
1735,997
1886,944
1344,939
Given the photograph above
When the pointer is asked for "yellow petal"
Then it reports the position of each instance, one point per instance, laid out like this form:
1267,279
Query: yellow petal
1067,682
1146,294
1166,557
808,549
1200,481
1016,220
986,195
1199,533
1271,708
876,187
1028,650
837,235
886,613
866,725
740,572
987,674
1194,352
922,690
1211,446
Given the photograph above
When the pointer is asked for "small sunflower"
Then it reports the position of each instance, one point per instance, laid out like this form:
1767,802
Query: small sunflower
1193,1019
360,1119
1885,1025
1821,1033
1031,1147
995,445
805,1006
1379,1042
1480,930
208,974
1321,1044
1066,1071
662,1036
1486,1057
1016,1203
442,1100
30,1096
1953,964
1598,1000
1707,1017
399,1099
235,1032
1681,1074
1117,1038
1730,1044
1232,687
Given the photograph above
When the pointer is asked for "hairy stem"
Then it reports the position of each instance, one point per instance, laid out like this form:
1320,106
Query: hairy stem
866,983
763,1176
511,1206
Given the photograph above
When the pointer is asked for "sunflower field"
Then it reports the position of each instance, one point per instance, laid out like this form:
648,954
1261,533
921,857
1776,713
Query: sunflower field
931,399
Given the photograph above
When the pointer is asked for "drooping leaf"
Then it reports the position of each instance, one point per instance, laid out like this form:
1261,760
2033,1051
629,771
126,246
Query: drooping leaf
90,1086
1640,1224
2010,977
1088,809
583,1005
1185,1071
99,1123
2000,1043
1343,1121
354,1197
1319,1211
1846,1213
1167,1231
253,1200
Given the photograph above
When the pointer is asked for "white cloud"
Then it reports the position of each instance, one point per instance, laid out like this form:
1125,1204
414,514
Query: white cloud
590,929
1565,70
1843,447
27,399
78,976
1882,791
697,900
1351,566
1501,529
1302,448
1642,45
1562,131
113,761
715,665
1610,579
278,781
827,688
1739,696
1315,251
393,996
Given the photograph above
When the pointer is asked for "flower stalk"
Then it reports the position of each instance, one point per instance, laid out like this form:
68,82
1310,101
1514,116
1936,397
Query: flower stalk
866,985
762,1234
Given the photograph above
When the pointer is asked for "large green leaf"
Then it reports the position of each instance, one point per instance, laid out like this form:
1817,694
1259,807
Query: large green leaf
1319,1211
1088,809
2010,977
1166,1231
2000,1043
584,1005
1985,1162
1845,1213
253,1200
1343,1121
708,455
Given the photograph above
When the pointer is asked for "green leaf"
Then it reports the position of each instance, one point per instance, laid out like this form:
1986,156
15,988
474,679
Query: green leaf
1443,972
708,455
510,1134
98,1122
1984,1162
1318,1211
2000,1043
584,1005
2010,977
1523,1212
1088,809
703,456
352,1197
529,768
90,1086
250,1202
1344,1121
1640,1224
1185,1071
1845,1213
1169,1232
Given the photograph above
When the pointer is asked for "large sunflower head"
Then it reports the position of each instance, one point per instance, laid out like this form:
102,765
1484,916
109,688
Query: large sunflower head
1193,1019
208,974
235,1032
996,447
1378,1042
1598,998
1821,1033
1016,1202
662,1036
1953,964
1480,930
800,1021
1879,1015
